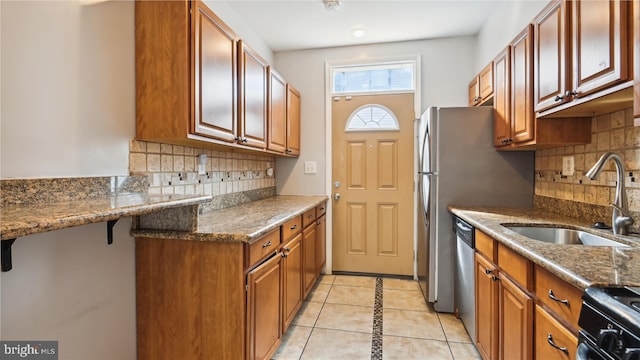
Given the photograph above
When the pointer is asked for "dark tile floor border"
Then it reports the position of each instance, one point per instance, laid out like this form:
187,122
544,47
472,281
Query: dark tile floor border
376,338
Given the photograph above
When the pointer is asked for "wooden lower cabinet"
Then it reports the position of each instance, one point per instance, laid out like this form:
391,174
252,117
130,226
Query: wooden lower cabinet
321,243
552,340
516,321
514,312
263,309
291,279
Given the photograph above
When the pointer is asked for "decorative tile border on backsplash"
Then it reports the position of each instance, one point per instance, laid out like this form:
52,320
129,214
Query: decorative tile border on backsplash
173,169
610,132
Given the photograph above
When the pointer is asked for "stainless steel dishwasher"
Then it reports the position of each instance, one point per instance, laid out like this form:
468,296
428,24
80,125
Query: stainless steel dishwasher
464,295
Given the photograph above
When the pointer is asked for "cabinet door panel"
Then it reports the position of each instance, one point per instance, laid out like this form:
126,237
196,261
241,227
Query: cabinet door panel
486,292
321,238
522,120
516,321
254,72
636,87
277,113
486,82
293,121
292,279
215,76
600,44
501,98
264,312
550,54
309,250
474,91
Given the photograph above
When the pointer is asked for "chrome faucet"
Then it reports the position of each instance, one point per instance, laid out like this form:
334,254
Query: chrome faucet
621,220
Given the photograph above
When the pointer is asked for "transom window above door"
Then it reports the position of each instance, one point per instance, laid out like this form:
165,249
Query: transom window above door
372,117
374,78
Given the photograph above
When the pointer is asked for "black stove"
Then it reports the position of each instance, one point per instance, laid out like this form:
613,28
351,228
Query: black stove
610,324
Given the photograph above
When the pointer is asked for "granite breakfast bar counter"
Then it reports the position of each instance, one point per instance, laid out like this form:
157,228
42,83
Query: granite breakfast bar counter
579,265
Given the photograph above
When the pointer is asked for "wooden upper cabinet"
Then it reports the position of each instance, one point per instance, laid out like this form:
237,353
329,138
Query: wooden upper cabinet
551,50
253,97
293,121
215,73
501,98
277,138
600,44
481,86
581,48
522,119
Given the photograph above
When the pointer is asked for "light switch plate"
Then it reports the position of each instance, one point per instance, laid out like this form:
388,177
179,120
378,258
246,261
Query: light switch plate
568,165
310,167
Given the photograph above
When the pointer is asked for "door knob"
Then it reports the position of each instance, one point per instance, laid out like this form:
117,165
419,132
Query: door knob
337,196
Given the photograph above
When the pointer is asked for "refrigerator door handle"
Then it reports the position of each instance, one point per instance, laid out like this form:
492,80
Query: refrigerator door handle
428,173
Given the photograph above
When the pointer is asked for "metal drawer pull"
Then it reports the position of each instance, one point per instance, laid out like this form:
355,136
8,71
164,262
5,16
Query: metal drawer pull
310,216
564,301
294,227
550,341
266,245
488,271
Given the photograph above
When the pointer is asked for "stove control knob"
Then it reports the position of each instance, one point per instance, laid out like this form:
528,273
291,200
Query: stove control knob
607,339
631,354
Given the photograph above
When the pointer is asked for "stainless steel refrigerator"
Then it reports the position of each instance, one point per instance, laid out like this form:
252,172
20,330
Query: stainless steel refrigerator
458,165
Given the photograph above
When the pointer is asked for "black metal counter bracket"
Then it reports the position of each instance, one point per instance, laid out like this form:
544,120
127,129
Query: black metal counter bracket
6,254
110,224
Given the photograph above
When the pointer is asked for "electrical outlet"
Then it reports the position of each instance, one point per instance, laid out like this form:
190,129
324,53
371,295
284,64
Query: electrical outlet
310,167
568,166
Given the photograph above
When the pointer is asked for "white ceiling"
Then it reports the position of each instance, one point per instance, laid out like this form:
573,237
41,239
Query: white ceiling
304,24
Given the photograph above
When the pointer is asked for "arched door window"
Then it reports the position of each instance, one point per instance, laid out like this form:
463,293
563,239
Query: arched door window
372,117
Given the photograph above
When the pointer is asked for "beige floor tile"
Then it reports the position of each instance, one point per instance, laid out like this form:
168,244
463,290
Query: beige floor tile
293,342
346,317
453,328
326,279
403,299
308,313
319,293
462,351
415,324
327,344
402,348
355,280
352,295
400,284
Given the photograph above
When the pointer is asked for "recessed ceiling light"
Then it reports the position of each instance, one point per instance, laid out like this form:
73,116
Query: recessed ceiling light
359,32
331,5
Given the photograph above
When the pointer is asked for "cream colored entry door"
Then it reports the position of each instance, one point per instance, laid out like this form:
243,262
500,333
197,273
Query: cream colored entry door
373,175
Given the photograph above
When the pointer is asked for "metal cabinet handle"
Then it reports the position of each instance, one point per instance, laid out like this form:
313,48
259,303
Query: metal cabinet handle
310,216
488,271
318,223
495,278
294,227
552,297
283,255
550,341
267,244
559,97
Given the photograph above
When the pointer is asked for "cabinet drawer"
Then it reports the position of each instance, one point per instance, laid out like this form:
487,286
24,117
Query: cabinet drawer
291,227
552,340
264,246
308,217
486,245
569,298
321,210
518,268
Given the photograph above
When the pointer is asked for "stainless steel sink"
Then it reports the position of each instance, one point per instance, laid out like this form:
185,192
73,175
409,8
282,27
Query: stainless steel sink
557,235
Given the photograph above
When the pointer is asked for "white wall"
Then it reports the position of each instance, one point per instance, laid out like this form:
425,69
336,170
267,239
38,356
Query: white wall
447,67
68,109
507,21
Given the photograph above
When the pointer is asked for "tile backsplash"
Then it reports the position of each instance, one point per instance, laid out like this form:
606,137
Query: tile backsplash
610,132
173,169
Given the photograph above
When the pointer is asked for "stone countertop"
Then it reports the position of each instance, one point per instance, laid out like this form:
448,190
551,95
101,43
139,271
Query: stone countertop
18,220
582,266
242,223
